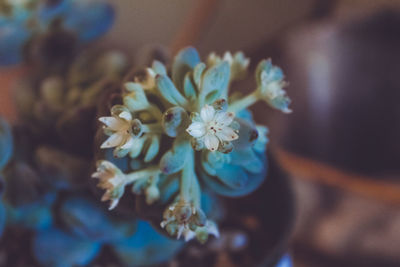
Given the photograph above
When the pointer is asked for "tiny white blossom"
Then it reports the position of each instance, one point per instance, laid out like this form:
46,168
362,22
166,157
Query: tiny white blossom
112,179
119,129
271,88
213,127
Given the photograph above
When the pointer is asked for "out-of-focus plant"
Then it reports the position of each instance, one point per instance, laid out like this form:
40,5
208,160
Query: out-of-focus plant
183,132
21,21
47,189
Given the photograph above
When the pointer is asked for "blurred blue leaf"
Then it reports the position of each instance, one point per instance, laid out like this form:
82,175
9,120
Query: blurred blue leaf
146,247
89,19
234,180
55,248
2,218
88,220
185,61
13,37
36,215
6,142
285,261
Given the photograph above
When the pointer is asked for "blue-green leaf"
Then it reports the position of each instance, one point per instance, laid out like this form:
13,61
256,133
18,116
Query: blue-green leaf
174,159
6,143
88,220
184,62
168,90
215,82
53,247
153,148
146,247
174,121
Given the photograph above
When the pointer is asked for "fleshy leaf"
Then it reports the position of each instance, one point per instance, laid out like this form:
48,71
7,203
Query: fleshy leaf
153,148
197,74
52,247
174,121
227,183
6,143
159,68
184,62
146,247
174,159
88,220
135,99
188,88
168,90
2,218
215,82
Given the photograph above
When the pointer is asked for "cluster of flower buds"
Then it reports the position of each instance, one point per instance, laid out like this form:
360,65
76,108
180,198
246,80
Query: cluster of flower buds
184,126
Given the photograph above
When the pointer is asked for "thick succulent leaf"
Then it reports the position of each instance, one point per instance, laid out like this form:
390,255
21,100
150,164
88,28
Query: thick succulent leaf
174,159
174,121
153,148
135,99
168,90
248,134
36,215
184,62
169,187
146,247
248,159
20,173
13,37
261,143
53,247
159,68
88,220
2,218
198,73
6,143
188,88
215,82
227,182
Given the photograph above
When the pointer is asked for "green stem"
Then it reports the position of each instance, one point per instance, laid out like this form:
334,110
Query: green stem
187,177
146,173
152,128
196,192
244,102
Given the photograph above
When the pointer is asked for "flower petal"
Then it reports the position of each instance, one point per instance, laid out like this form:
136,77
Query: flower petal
129,143
211,142
112,141
227,134
224,118
197,129
125,115
111,122
207,113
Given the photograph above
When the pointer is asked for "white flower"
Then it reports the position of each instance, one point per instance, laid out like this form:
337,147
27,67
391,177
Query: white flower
271,88
112,179
183,219
119,129
212,127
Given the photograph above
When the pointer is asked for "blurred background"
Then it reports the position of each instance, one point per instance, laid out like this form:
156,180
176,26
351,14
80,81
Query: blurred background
340,145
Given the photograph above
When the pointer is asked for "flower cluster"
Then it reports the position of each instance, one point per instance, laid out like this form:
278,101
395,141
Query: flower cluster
184,131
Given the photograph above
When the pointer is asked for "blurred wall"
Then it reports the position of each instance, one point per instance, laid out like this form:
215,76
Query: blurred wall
236,24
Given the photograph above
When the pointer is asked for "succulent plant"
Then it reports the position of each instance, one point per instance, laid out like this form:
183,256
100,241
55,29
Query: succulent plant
186,127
